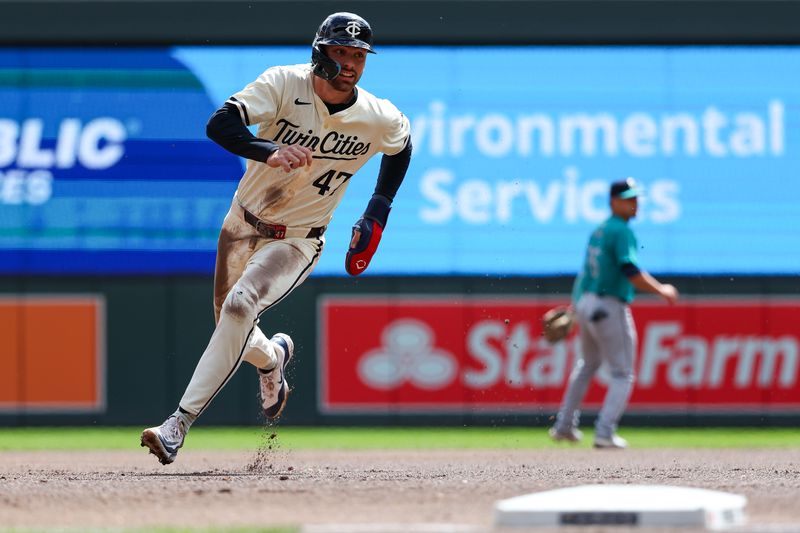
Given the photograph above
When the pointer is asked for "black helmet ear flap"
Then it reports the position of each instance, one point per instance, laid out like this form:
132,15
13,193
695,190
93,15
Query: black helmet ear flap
324,67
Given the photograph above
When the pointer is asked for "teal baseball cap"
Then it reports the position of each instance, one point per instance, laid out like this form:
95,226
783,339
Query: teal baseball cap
625,189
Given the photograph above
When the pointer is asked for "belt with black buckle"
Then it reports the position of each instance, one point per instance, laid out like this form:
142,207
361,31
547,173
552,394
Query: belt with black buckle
278,231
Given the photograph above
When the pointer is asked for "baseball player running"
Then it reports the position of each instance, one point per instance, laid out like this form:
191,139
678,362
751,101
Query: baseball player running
316,128
601,297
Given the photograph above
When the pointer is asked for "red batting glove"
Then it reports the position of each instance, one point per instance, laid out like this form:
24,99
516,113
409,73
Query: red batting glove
367,232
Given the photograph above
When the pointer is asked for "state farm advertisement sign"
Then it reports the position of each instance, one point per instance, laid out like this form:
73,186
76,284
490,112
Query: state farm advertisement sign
456,354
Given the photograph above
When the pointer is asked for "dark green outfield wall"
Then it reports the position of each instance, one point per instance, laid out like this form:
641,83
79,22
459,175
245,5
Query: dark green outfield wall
132,22
158,327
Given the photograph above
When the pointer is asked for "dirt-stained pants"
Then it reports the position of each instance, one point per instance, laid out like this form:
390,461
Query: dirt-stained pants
252,274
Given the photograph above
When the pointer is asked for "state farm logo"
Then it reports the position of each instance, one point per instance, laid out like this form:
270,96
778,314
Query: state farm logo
408,354
459,354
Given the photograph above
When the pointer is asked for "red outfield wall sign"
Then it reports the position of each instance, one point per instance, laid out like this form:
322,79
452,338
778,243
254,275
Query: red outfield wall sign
455,354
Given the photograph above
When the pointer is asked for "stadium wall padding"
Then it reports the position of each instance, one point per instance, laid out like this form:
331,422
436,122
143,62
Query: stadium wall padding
157,327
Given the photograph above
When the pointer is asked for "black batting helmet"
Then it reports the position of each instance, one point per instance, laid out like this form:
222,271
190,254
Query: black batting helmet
342,29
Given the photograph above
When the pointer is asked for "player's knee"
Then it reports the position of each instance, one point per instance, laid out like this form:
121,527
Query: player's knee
240,304
622,374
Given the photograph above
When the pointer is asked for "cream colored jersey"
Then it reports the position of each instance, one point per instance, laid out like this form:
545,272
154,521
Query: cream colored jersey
283,103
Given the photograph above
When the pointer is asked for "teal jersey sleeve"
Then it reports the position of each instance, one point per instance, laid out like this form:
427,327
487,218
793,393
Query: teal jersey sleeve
625,247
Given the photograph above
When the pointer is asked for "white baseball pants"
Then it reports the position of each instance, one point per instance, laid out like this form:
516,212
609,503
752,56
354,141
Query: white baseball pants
252,274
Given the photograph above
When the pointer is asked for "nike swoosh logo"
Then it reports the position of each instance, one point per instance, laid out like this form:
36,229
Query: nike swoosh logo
298,102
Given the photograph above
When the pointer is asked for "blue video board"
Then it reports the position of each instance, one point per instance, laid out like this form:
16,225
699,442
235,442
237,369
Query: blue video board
105,167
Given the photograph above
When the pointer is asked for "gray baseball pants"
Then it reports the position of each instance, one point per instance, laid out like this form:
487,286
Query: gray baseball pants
607,334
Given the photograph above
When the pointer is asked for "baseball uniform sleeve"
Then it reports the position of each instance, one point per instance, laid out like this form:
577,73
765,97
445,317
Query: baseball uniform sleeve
260,100
626,247
396,130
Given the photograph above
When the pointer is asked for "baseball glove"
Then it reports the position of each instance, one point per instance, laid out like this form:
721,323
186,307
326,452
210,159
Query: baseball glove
557,323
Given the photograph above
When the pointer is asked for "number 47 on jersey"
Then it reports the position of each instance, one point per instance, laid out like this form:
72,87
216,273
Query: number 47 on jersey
323,183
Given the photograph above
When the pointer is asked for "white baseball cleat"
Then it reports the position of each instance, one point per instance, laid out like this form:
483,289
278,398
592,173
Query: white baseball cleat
165,440
614,442
273,384
569,435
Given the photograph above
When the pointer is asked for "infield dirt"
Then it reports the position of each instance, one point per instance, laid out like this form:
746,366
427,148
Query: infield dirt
271,486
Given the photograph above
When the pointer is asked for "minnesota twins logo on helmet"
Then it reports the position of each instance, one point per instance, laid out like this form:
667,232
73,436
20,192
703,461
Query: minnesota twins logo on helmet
353,29
339,29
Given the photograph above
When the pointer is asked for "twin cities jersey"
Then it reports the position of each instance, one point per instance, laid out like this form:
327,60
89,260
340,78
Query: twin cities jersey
283,103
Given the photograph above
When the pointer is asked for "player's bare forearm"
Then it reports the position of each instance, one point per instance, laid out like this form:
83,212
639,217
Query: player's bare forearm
647,283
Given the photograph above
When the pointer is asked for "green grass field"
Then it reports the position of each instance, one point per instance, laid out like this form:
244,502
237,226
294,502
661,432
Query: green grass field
302,438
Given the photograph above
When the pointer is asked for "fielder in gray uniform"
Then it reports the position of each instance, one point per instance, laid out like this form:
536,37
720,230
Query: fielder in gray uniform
601,296
316,128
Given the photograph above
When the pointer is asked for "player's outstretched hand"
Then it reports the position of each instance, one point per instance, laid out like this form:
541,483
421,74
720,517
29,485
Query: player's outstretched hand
290,157
669,293
367,232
